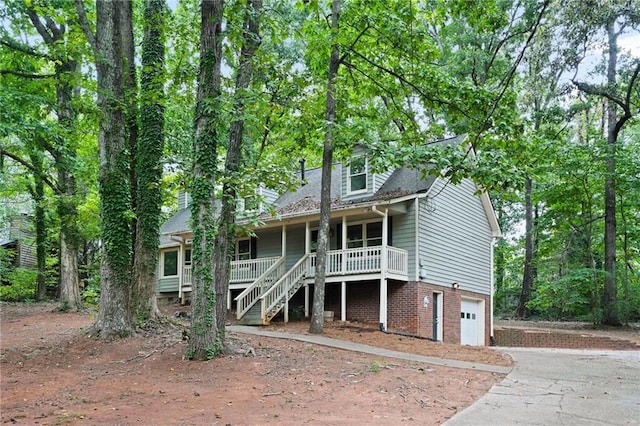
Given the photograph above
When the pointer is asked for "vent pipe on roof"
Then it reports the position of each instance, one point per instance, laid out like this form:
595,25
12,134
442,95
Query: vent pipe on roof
302,160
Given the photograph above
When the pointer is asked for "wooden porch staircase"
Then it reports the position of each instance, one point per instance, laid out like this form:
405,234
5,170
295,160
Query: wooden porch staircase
270,293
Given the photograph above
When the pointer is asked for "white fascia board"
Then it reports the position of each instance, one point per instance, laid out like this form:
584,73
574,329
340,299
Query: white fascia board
491,213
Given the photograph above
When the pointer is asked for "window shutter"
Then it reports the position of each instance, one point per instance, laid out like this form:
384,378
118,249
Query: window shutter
254,248
339,236
389,229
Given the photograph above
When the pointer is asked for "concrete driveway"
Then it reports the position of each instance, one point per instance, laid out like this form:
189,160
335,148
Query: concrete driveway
562,387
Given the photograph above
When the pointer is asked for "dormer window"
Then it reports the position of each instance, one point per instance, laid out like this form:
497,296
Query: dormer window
357,174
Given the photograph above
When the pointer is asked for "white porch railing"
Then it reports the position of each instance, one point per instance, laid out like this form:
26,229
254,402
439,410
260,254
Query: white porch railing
241,270
362,260
246,271
186,276
248,297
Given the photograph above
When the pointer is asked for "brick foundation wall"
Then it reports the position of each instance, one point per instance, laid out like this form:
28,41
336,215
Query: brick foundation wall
405,307
557,339
402,307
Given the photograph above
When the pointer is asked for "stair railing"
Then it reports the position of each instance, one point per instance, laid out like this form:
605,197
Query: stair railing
251,294
276,297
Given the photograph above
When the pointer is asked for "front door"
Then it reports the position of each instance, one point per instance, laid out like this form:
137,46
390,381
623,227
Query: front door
437,316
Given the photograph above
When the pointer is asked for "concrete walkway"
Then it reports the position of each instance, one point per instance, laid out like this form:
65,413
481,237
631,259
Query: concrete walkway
546,387
562,387
357,347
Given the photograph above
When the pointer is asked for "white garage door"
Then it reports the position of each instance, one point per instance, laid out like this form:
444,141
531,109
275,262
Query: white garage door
470,322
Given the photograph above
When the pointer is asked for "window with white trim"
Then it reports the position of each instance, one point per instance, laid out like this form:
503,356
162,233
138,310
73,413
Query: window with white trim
366,234
243,249
170,263
357,174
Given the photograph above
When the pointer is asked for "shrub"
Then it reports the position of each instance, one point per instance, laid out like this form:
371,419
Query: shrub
21,285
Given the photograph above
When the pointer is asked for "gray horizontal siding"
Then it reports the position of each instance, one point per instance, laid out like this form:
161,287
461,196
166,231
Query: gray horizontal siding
403,236
455,238
269,243
379,179
167,284
295,244
26,254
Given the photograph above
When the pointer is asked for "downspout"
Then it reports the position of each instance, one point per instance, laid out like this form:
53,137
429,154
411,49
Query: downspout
375,210
383,328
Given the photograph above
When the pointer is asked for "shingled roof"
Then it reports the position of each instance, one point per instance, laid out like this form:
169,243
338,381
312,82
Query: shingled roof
306,198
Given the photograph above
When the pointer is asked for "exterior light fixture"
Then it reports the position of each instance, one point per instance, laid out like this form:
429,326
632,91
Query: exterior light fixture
455,286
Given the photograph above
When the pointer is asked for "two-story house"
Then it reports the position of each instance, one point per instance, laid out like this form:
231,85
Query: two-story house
413,254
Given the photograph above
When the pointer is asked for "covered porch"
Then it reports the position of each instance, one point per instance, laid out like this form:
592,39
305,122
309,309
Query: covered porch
360,250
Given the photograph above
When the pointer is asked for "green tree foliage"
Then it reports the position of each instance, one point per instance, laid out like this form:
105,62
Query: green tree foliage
44,37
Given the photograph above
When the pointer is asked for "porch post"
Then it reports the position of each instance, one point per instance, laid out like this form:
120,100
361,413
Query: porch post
307,250
306,301
383,303
385,238
343,302
343,267
286,309
181,273
383,270
228,299
284,240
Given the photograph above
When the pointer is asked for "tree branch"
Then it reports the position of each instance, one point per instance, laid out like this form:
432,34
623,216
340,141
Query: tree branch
26,49
84,24
632,83
31,168
42,30
26,75
56,31
591,89
410,84
355,41
507,79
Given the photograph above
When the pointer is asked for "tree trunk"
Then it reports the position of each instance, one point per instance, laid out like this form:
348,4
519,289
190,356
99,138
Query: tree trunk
67,201
610,297
204,341
226,227
317,317
113,318
149,162
37,194
528,273
64,154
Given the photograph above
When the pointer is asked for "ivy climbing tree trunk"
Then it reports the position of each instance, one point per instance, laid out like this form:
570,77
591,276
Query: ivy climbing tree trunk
204,340
115,206
232,178
37,193
317,314
131,107
148,162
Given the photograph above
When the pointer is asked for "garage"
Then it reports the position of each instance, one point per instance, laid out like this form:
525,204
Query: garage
472,322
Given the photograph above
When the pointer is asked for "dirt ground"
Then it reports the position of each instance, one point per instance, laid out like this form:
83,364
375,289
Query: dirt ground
52,373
